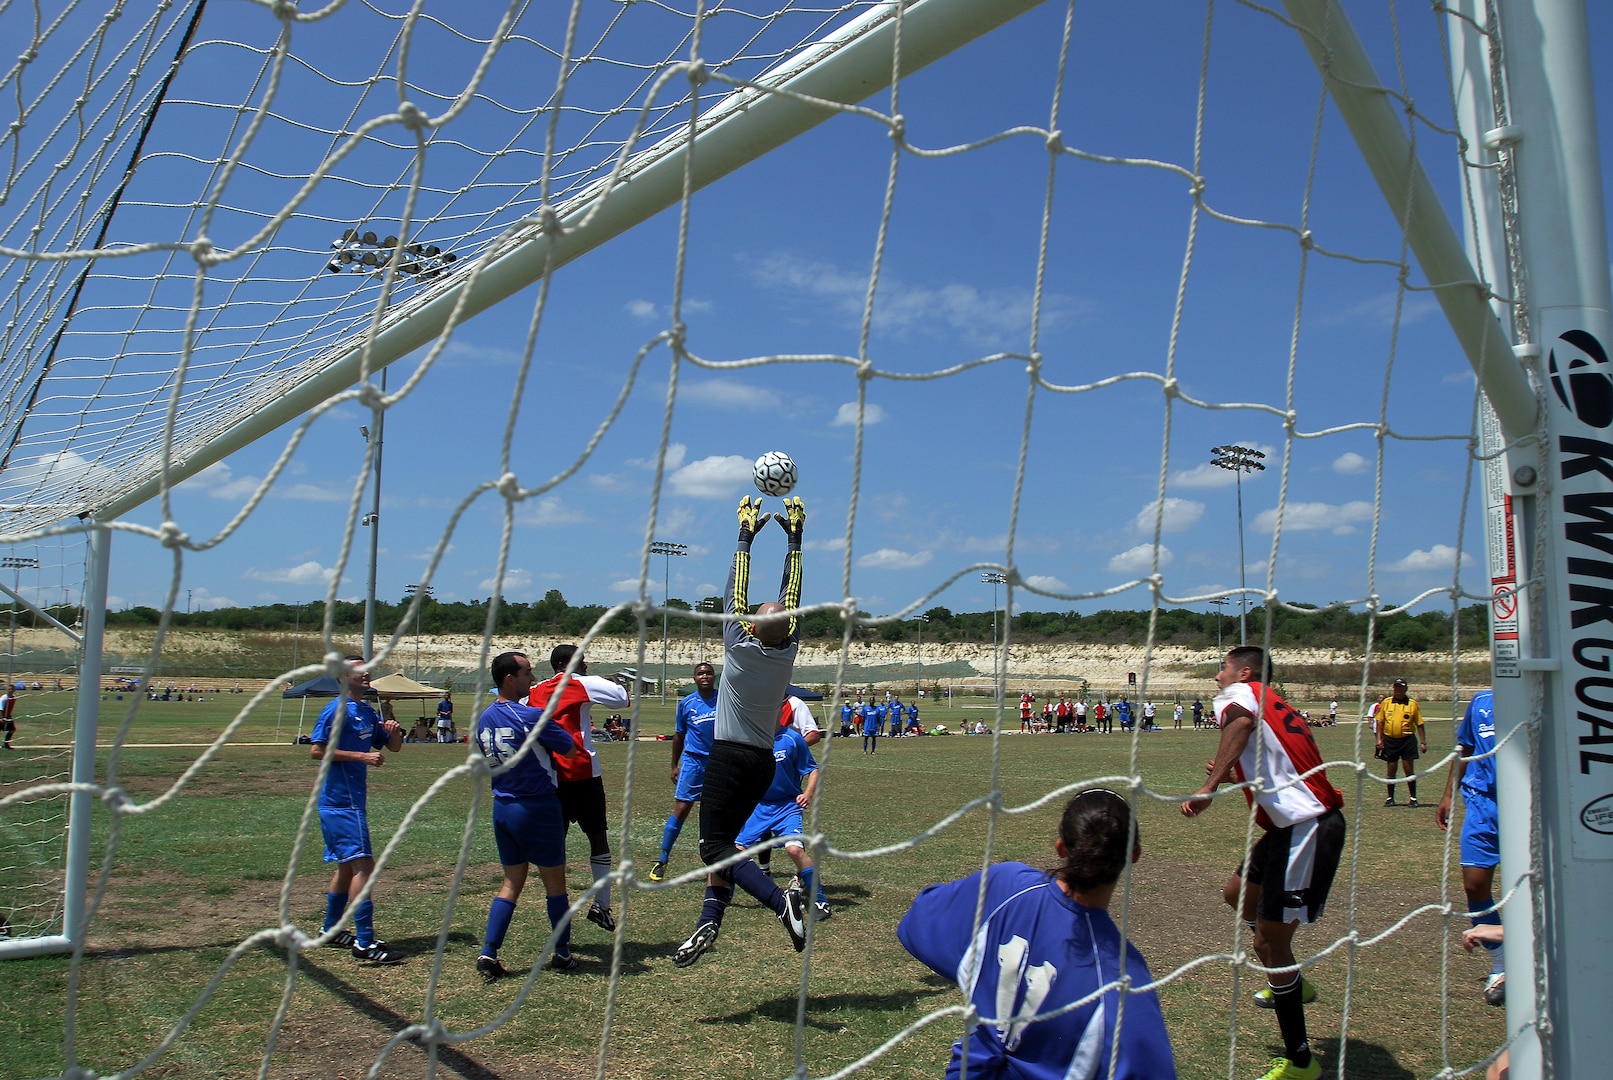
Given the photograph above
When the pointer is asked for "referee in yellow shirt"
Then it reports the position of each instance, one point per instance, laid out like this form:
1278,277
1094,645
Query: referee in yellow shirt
1398,725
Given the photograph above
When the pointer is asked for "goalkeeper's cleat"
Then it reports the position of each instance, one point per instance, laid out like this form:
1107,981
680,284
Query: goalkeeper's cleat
1495,989
1413,803
377,953
794,918
602,918
341,939
564,963
490,969
1283,1069
1307,994
700,942
820,911
658,871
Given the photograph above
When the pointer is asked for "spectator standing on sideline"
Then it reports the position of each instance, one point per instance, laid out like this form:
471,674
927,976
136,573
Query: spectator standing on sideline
1178,715
8,714
582,785
529,827
358,737
445,717
1101,717
1025,701
691,745
1081,714
1198,713
1474,774
1399,729
1046,942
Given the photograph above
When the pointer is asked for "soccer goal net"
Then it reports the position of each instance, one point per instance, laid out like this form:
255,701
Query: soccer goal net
1091,304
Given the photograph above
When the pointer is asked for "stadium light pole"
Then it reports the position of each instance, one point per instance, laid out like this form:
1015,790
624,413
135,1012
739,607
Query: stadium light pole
667,549
425,592
1239,460
918,687
709,604
994,579
16,564
1218,603
373,520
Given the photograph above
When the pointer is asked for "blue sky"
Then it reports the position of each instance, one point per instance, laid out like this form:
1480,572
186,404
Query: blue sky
779,264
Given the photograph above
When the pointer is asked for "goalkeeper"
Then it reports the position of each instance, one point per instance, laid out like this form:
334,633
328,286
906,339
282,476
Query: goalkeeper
758,662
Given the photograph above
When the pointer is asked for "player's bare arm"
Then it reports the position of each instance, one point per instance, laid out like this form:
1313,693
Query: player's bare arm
1237,727
371,757
677,754
804,799
1442,813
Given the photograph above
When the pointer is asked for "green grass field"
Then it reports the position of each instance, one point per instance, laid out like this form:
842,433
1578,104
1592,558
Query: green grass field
205,870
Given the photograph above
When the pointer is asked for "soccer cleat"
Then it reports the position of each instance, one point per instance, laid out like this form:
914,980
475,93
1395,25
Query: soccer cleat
820,911
1413,802
658,871
700,942
1307,994
1283,1069
1495,989
602,918
794,918
564,963
341,939
1390,801
490,969
377,953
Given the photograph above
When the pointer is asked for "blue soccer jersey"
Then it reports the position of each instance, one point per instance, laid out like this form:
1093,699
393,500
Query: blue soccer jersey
913,715
346,784
502,730
1477,730
1037,952
694,720
792,763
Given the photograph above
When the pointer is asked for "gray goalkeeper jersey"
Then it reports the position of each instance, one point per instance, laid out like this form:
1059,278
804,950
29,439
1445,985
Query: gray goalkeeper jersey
755,681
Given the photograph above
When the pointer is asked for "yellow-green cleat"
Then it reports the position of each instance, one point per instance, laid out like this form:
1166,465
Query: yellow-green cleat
1307,994
1283,1069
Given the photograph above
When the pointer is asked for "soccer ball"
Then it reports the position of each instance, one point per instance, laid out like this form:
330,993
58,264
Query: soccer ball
774,473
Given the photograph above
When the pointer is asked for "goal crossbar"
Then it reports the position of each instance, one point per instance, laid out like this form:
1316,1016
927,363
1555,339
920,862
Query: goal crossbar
842,68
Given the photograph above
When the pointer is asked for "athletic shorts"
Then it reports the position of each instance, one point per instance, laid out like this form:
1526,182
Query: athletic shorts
583,802
776,819
530,830
1294,868
347,835
691,778
737,777
1481,838
1402,749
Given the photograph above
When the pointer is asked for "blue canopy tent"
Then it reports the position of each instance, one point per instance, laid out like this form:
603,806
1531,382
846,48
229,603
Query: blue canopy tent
325,686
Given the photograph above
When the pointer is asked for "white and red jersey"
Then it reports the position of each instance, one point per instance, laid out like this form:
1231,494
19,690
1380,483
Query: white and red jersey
1025,705
1286,753
575,713
795,713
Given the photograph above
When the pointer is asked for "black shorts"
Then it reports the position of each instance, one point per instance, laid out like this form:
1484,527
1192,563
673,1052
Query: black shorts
737,776
1402,749
583,802
1302,860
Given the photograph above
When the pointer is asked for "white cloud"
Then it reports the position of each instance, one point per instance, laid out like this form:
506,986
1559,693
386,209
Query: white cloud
1438,557
516,581
1179,514
997,316
626,585
1351,463
460,354
729,394
846,415
550,510
307,573
1139,560
715,477
1046,582
313,493
984,545
1314,516
1382,310
833,543
892,559
217,481
676,454
641,309
1205,475
201,598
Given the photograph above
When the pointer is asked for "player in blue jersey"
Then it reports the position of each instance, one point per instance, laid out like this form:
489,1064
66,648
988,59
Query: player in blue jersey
528,824
691,745
1046,941
759,651
343,812
913,726
1481,842
779,814
1123,710
873,716
845,718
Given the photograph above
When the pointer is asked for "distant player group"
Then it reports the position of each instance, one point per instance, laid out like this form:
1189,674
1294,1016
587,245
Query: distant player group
1043,969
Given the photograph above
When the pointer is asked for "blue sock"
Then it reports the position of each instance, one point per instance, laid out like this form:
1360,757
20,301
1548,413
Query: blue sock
717,900
811,886
1479,915
669,836
335,904
498,924
364,924
558,906
751,878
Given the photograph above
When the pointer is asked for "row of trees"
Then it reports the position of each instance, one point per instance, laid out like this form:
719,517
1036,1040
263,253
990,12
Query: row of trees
1341,628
